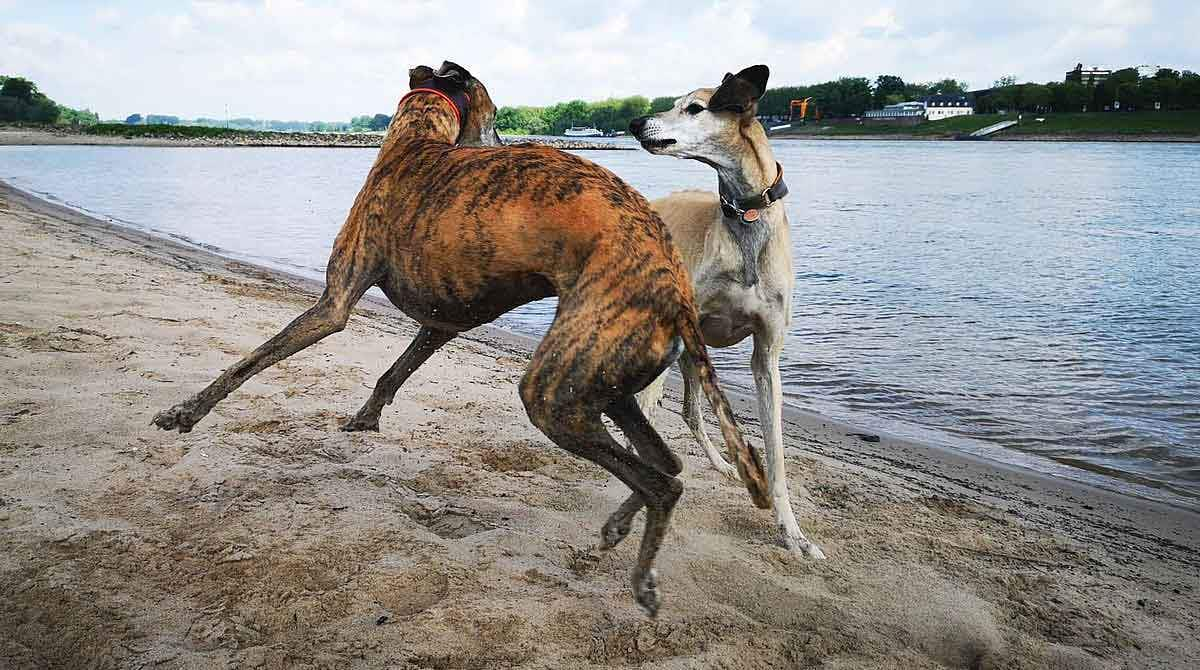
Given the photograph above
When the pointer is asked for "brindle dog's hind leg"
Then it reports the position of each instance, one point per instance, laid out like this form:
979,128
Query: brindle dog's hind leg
586,437
427,341
568,384
627,414
346,282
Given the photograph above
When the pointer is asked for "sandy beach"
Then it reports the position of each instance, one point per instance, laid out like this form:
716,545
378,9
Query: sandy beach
458,536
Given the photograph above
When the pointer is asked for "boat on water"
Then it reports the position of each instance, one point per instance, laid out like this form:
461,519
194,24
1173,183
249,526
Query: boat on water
582,131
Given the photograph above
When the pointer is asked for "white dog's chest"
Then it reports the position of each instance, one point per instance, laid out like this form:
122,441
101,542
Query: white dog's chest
733,312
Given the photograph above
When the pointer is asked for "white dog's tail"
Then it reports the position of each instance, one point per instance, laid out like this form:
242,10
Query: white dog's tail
748,463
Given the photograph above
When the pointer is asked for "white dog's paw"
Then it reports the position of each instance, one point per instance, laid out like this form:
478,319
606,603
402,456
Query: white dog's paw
799,545
727,471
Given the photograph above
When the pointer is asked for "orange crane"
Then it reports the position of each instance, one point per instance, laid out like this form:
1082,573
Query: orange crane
802,106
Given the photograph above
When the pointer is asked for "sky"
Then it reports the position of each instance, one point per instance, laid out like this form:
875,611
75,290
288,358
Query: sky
325,60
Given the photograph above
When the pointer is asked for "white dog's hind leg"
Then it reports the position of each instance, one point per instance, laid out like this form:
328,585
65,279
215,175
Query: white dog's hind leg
695,419
765,364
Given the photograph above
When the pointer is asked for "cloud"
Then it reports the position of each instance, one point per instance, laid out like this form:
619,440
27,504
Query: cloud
107,16
321,59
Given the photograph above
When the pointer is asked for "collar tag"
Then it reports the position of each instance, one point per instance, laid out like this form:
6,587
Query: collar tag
749,216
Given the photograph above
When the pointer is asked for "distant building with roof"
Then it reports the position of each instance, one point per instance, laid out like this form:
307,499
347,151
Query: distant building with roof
929,108
908,113
938,107
1088,77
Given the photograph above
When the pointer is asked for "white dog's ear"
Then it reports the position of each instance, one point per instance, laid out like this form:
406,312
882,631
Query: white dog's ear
738,92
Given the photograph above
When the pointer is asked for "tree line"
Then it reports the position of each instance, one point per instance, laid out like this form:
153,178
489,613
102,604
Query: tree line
607,115
20,100
846,96
1170,89
851,96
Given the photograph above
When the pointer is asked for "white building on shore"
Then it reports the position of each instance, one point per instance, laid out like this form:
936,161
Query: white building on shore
938,107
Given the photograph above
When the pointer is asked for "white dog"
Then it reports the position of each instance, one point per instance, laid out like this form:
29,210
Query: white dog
737,247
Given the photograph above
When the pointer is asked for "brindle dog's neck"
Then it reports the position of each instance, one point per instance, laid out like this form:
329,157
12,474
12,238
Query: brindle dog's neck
747,174
422,117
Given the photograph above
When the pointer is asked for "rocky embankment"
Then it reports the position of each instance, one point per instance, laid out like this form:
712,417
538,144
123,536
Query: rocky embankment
187,136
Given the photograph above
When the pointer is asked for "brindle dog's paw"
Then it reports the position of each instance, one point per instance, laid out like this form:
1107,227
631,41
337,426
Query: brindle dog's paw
178,418
645,590
360,424
614,530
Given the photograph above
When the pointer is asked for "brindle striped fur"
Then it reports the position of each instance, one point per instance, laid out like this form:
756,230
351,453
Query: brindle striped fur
456,236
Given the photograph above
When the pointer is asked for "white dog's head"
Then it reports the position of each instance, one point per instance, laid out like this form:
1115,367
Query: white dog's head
706,124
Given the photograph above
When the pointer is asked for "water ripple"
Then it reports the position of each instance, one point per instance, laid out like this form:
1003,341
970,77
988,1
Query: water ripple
1039,297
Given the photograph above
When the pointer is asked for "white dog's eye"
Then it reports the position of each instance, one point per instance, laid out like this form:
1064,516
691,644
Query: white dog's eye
694,108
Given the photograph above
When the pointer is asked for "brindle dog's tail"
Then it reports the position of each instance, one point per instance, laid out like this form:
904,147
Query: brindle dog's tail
748,463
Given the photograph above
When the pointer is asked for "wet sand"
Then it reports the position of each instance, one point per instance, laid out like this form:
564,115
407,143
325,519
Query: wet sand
459,537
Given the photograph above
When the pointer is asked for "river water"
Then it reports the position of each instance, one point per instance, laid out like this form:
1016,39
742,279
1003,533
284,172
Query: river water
1036,302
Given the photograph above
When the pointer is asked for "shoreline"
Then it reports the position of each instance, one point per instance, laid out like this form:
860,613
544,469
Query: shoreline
460,517
20,136
975,451
934,460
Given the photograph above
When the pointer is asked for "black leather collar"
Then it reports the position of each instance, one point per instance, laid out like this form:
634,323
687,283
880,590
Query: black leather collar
747,209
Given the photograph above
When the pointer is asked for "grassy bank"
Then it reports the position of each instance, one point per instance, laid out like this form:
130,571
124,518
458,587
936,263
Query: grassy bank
1100,124
1133,123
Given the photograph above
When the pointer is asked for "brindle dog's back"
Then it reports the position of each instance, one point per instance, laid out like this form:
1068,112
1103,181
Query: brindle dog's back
475,232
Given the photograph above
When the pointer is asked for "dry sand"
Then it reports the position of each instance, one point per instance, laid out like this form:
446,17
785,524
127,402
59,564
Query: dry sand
459,537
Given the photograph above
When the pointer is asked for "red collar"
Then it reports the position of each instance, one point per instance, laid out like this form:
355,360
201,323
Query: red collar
454,105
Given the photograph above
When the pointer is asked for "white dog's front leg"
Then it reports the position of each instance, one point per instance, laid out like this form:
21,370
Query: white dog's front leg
765,364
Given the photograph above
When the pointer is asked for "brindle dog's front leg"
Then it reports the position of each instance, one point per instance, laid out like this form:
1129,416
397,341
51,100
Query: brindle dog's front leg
765,364
346,283
427,341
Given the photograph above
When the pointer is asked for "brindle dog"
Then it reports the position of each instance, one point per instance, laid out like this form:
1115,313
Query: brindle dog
458,235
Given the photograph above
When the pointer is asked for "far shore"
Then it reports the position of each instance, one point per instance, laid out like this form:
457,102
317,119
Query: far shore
66,136
28,136
458,536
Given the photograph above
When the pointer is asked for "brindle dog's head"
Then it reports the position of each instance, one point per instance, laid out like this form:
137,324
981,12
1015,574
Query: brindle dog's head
479,124
705,125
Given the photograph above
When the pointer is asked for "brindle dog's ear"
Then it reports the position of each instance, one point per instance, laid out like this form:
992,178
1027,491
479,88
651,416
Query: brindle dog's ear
419,75
738,92
454,71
